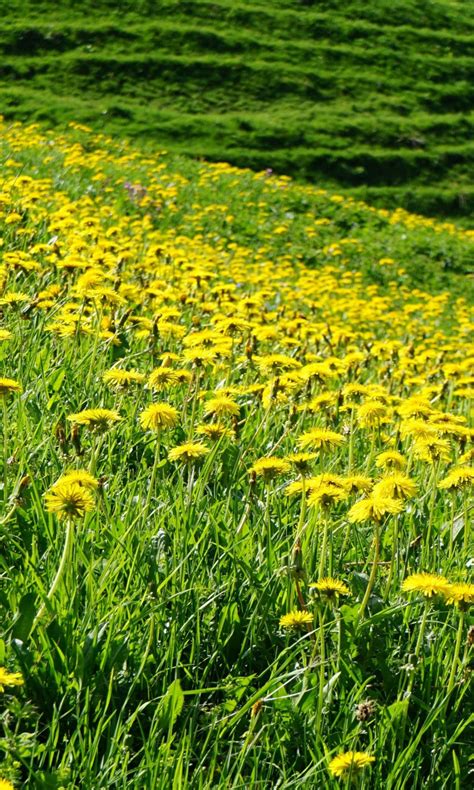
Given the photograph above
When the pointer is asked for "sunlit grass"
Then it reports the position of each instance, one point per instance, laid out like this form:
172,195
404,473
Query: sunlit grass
235,432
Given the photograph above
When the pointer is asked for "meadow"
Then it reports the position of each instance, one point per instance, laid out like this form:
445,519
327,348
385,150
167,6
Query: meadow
237,466
370,99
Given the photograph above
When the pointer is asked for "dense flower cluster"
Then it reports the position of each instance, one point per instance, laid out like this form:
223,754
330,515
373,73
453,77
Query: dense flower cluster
307,424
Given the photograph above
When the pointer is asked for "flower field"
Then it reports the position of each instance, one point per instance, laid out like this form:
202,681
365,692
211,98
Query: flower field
237,478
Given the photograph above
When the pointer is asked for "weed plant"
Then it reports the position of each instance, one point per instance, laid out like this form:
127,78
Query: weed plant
237,466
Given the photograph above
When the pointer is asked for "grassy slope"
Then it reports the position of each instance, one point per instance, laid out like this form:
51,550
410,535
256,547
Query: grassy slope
159,661
373,98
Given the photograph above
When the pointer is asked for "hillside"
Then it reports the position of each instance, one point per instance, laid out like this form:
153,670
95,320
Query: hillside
237,461
371,99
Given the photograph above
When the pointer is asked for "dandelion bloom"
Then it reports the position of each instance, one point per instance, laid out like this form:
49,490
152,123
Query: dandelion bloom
8,386
296,620
6,785
354,483
427,584
163,377
69,500
390,459
396,486
99,420
330,587
10,678
458,478
432,450
460,594
374,507
80,476
326,493
349,764
277,363
200,356
270,467
158,416
371,413
215,430
188,452
117,377
301,461
321,439
221,406
296,487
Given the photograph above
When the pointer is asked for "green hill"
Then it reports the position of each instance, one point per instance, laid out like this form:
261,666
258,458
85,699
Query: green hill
372,99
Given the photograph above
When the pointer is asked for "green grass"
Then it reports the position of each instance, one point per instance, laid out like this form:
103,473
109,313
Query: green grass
370,99
149,641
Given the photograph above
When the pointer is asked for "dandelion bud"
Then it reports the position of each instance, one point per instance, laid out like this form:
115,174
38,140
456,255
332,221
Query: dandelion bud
76,439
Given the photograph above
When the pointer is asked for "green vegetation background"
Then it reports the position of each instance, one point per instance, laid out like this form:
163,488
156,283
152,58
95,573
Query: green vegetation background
374,99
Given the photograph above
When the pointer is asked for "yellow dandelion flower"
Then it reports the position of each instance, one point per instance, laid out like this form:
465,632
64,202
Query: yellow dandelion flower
374,507
301,461
296,620
296,487
5,335
276,363
461,594
8,386
326,493
188,452
120,378
99,420
5,784
390,459
69,500
417,429
81,477
371,413
158,416
200,356
432,449
321,439
269,467
396,486
427,584
350,764
10,678
214,431
183,376
330,587
222,406
354,483
467,457
163,377
320,402
459,477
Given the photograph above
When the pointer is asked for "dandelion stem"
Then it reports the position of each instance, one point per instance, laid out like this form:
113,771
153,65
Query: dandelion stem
302,510
393,559
322,678
153,477
457,651
65,559
466,527
427,541
268,523
324,546
5,450
373,572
